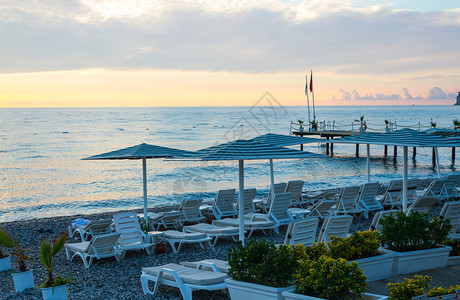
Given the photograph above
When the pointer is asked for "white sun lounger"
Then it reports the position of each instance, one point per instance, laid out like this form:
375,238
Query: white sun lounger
295,188
347,202
92,228
335,226
249,195
132,237
174,237
450,186
435,189
264,203
366,198
185,278
379,216
100,246
451,211
302,232
250,225
323,209
422,204
213,231
210,265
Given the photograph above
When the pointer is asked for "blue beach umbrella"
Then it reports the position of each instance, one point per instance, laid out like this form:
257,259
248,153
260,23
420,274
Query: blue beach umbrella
405,138
141,151
242,150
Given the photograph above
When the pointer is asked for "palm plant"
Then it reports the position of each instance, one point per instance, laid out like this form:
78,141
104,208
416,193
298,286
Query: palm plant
47,256
456,123
17,250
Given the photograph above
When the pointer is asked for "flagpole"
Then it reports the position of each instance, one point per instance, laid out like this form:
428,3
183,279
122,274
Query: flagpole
312,94
308,101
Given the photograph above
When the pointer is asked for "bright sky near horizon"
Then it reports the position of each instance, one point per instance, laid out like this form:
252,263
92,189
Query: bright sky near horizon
100,53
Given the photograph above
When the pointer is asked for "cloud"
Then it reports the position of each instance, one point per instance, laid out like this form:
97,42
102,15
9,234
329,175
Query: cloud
237,36
435,93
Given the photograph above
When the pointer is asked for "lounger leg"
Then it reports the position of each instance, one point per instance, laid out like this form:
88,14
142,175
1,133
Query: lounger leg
67,253
145,285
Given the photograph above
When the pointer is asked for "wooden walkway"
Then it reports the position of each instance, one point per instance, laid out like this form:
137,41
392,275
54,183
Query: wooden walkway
444,277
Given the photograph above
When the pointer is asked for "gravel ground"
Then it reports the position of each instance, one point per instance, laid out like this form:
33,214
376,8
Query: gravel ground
109,279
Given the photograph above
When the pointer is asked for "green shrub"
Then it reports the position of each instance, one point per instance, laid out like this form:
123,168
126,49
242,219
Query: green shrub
316,251
408,288
360,244
439,291
330,278
414,232
262,263
455,244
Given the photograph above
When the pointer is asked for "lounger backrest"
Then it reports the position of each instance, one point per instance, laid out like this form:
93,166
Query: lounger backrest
105,245
450,185
302,232
422,204
435,188
249,195
97,227
451,211
395,190
323,208
279,189
367,193
224,203
335,226
127,224
279,209
191,209
295,188
412,189
348,197
379,216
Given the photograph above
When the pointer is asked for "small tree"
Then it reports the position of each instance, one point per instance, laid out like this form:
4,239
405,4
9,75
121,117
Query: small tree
48,253
17,250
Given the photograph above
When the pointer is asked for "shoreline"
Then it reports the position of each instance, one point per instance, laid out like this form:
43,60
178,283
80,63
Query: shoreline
109,279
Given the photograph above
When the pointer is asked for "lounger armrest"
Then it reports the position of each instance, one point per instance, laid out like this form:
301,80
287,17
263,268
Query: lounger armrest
208,264
259,216
172,273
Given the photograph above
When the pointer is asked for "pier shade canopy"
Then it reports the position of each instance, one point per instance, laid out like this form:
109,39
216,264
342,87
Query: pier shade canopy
284,140
404,138
242,150
141,151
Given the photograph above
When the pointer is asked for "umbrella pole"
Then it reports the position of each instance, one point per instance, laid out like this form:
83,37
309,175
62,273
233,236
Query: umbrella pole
144,173
404,202
272,177
368,146
437,162
241,199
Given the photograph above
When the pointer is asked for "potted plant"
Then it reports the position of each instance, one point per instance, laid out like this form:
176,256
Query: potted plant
387,126
23,278
300,125
329,278
363,247
54,287
456,124
454,255
417,288
314,126
432,124
415,241
5,260
259,270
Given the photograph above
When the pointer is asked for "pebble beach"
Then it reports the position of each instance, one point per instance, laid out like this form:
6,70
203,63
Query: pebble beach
109,279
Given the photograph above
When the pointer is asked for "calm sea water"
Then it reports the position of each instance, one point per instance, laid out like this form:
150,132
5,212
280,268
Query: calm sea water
42,174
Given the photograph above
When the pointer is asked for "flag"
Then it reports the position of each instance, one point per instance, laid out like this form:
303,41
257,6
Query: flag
311,82
306,84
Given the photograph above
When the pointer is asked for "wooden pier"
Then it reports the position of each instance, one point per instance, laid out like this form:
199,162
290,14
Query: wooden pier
443,277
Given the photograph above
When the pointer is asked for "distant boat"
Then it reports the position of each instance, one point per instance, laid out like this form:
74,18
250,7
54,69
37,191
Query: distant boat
458,99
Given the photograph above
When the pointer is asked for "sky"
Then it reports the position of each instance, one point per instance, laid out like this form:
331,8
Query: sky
97,53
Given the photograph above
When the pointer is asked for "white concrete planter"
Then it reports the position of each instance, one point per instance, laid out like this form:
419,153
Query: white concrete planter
23,280
419,260
441,297
453,261
290,295
245,290
377,267
5,263
55,293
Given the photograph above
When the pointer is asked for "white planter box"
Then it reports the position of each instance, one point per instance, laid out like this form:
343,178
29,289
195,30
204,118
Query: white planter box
245,290
55,293
377,267
5,263
23,280
453,261
419,260
290,295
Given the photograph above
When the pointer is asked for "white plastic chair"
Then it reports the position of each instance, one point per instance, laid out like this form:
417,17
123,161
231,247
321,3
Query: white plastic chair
132,237
347,202
302,232
367,200
335,226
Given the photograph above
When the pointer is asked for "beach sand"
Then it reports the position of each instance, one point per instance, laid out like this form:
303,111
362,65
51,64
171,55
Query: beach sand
107,278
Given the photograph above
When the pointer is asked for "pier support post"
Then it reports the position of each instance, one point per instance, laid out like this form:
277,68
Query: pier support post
453,154
327,146
414,152
301,147
385,150
357,150
332,147
395,152
433,157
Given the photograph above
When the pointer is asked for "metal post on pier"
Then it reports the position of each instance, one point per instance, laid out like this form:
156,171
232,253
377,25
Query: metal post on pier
453,154
357,150
385,150
414,152
395,152
327,146
433,156
332,147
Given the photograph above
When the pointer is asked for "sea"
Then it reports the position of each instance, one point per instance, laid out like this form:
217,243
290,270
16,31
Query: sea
42,173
